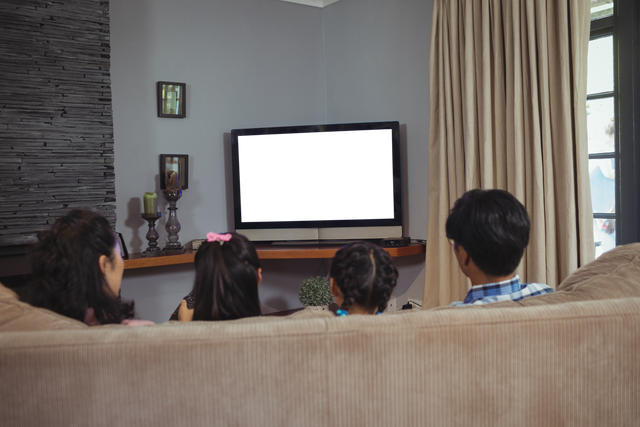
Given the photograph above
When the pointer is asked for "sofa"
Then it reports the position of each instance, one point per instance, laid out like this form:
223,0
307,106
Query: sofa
567,358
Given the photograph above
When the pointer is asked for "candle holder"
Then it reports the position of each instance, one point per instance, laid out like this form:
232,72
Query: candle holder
152,235
173,247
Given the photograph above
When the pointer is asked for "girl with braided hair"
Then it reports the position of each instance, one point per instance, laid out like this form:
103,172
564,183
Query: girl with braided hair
362,278
227,277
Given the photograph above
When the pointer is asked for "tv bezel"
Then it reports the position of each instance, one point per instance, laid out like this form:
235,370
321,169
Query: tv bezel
396,221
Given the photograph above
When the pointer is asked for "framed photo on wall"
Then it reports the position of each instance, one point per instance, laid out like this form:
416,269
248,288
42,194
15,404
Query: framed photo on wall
175,162
172,100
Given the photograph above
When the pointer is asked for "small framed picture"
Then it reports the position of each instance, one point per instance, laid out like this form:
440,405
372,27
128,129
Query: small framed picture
177,163
172,100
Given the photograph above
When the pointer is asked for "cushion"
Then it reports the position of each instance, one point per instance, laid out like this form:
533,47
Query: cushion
16,315
615,274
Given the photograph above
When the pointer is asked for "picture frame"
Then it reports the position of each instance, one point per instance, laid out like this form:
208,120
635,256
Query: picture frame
172,100
177,162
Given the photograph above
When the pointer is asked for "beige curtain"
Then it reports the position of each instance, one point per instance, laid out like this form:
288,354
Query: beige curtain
508,85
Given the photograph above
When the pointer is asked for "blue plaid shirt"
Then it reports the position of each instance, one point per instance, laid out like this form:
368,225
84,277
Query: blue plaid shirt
507,290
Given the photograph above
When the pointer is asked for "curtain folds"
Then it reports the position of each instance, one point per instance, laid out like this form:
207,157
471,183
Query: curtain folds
508,85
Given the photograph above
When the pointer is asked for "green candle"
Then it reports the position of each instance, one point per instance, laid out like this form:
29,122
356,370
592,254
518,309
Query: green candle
150,202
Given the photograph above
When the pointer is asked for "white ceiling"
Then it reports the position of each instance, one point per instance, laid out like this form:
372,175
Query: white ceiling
315,3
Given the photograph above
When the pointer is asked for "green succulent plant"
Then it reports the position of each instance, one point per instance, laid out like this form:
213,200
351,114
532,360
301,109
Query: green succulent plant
315,292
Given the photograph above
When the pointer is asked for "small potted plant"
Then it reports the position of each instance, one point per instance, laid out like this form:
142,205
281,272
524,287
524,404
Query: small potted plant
315,293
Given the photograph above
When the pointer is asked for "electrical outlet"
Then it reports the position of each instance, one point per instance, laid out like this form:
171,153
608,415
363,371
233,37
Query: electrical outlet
416,303
391,305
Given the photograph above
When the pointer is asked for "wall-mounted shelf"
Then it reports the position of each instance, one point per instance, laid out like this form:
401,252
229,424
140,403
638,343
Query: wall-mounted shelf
266,252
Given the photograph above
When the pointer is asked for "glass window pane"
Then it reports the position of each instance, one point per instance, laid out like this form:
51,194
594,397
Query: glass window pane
601,8
600,65
604,235
600,125
603,185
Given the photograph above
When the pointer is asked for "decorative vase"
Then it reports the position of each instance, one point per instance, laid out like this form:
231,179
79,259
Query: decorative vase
173,247
152,235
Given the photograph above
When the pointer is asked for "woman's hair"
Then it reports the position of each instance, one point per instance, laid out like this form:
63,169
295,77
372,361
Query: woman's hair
226,285
365,275
66,273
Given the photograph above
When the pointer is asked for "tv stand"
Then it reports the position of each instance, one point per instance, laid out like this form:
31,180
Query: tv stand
266,251
316,242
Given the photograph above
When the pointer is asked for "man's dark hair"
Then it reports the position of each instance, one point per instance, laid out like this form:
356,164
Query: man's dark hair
493,227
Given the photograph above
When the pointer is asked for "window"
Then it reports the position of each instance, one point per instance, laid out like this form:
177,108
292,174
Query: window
601,122
613,120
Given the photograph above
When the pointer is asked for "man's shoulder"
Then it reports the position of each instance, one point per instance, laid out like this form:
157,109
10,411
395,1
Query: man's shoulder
535,285
525,290
537,288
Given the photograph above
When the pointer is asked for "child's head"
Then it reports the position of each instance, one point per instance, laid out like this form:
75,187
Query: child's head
227,276
362,277
492,227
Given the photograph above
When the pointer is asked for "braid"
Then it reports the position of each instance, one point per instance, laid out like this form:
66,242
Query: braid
390,271
348,302
372,280
365,275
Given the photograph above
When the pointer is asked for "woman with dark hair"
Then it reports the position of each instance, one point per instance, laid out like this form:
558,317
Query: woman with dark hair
362,278
77,271
227,277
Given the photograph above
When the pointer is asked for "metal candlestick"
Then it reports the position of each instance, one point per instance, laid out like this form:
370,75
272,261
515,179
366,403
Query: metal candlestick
152,235
173,247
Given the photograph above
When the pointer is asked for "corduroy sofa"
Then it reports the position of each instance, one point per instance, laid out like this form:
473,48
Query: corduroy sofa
569,358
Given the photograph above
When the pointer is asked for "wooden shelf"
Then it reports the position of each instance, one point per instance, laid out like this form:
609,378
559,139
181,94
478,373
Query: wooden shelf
136,261
265,252
322,251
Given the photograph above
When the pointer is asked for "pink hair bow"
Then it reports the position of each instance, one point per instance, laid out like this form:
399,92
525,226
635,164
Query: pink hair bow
215,237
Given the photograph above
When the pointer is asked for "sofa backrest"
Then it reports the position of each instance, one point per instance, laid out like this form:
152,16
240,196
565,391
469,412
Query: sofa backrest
543,361
574,363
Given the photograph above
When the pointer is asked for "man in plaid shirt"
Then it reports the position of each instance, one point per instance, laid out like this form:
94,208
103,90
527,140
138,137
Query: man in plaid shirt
490,230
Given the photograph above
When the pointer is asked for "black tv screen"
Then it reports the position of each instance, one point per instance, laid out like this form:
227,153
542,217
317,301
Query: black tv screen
317,177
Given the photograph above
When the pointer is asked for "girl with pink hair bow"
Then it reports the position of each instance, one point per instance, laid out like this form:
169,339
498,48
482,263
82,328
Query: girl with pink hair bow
228,273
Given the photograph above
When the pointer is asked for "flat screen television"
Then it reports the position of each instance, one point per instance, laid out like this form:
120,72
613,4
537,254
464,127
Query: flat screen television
317,183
